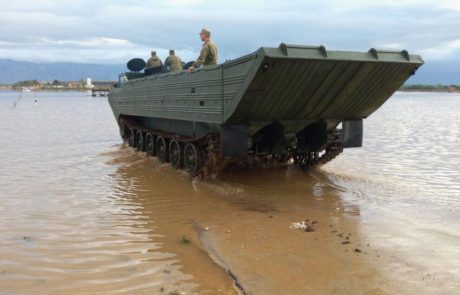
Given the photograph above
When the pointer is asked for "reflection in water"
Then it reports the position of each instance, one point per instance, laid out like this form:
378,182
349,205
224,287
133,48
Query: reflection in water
81,213
168,199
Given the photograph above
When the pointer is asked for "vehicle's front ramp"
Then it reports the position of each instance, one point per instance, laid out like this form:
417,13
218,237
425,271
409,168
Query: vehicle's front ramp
296,83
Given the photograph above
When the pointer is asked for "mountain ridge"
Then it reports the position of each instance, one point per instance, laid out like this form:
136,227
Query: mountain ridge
12,71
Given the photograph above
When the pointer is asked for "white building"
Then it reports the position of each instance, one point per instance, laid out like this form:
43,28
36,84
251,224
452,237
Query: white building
89,84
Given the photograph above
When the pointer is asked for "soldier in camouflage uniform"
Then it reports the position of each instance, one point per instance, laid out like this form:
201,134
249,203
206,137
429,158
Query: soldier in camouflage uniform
208,54
173,63
154,61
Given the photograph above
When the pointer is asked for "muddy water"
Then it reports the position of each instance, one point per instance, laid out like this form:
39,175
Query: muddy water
81,213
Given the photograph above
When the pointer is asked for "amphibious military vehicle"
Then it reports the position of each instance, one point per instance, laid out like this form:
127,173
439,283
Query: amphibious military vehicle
283,103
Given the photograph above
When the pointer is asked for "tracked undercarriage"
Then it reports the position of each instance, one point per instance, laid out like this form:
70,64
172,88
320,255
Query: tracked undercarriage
202,156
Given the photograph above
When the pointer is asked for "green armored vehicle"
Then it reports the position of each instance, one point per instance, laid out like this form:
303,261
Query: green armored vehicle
282,103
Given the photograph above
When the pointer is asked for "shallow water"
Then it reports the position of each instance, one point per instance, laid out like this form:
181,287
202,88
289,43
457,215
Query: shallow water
81,213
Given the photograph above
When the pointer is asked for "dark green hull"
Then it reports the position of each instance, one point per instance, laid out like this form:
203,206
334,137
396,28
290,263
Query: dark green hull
272,95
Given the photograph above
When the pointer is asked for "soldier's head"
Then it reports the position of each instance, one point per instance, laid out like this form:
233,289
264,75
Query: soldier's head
153,53
171,52
205,34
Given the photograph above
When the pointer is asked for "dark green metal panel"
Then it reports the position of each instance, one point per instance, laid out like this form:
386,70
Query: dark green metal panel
183,96
307,84
236,78
293,85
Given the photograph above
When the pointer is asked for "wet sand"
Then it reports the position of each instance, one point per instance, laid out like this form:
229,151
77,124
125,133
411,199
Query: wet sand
84,214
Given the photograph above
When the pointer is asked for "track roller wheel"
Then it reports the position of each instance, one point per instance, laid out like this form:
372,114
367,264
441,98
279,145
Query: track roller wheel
123,130
150,144
131,137
192,158
162,149
176,154
140,141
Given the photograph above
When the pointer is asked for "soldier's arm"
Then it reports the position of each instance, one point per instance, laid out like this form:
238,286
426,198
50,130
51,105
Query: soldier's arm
166,64
214,53
202,58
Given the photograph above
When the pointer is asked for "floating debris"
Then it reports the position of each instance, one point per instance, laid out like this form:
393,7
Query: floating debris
309,229
185,240
304,225
15,103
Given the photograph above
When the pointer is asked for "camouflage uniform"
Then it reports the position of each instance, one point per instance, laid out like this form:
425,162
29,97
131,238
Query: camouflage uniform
208,55
154,61
173,63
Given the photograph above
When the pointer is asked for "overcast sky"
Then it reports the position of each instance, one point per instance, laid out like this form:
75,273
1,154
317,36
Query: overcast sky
113,31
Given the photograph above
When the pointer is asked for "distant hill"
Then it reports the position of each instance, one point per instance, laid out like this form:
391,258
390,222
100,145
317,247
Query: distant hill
433,72
13,71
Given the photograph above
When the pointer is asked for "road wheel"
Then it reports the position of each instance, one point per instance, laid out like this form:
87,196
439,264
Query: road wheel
140,141
176,154
150,144
162,149
131,137
123,130
192,159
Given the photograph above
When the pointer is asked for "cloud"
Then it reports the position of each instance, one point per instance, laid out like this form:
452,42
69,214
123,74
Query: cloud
93,42
112,31
444,50
451,4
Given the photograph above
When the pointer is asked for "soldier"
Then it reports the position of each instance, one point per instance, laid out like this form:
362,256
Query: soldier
173,63
154,61
208,54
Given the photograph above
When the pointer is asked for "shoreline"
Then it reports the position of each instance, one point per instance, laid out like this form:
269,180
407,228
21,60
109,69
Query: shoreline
88,90
48,90
12,89
427,91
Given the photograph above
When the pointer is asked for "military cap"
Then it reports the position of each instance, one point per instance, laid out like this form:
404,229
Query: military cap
171,52
206,32
154,53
